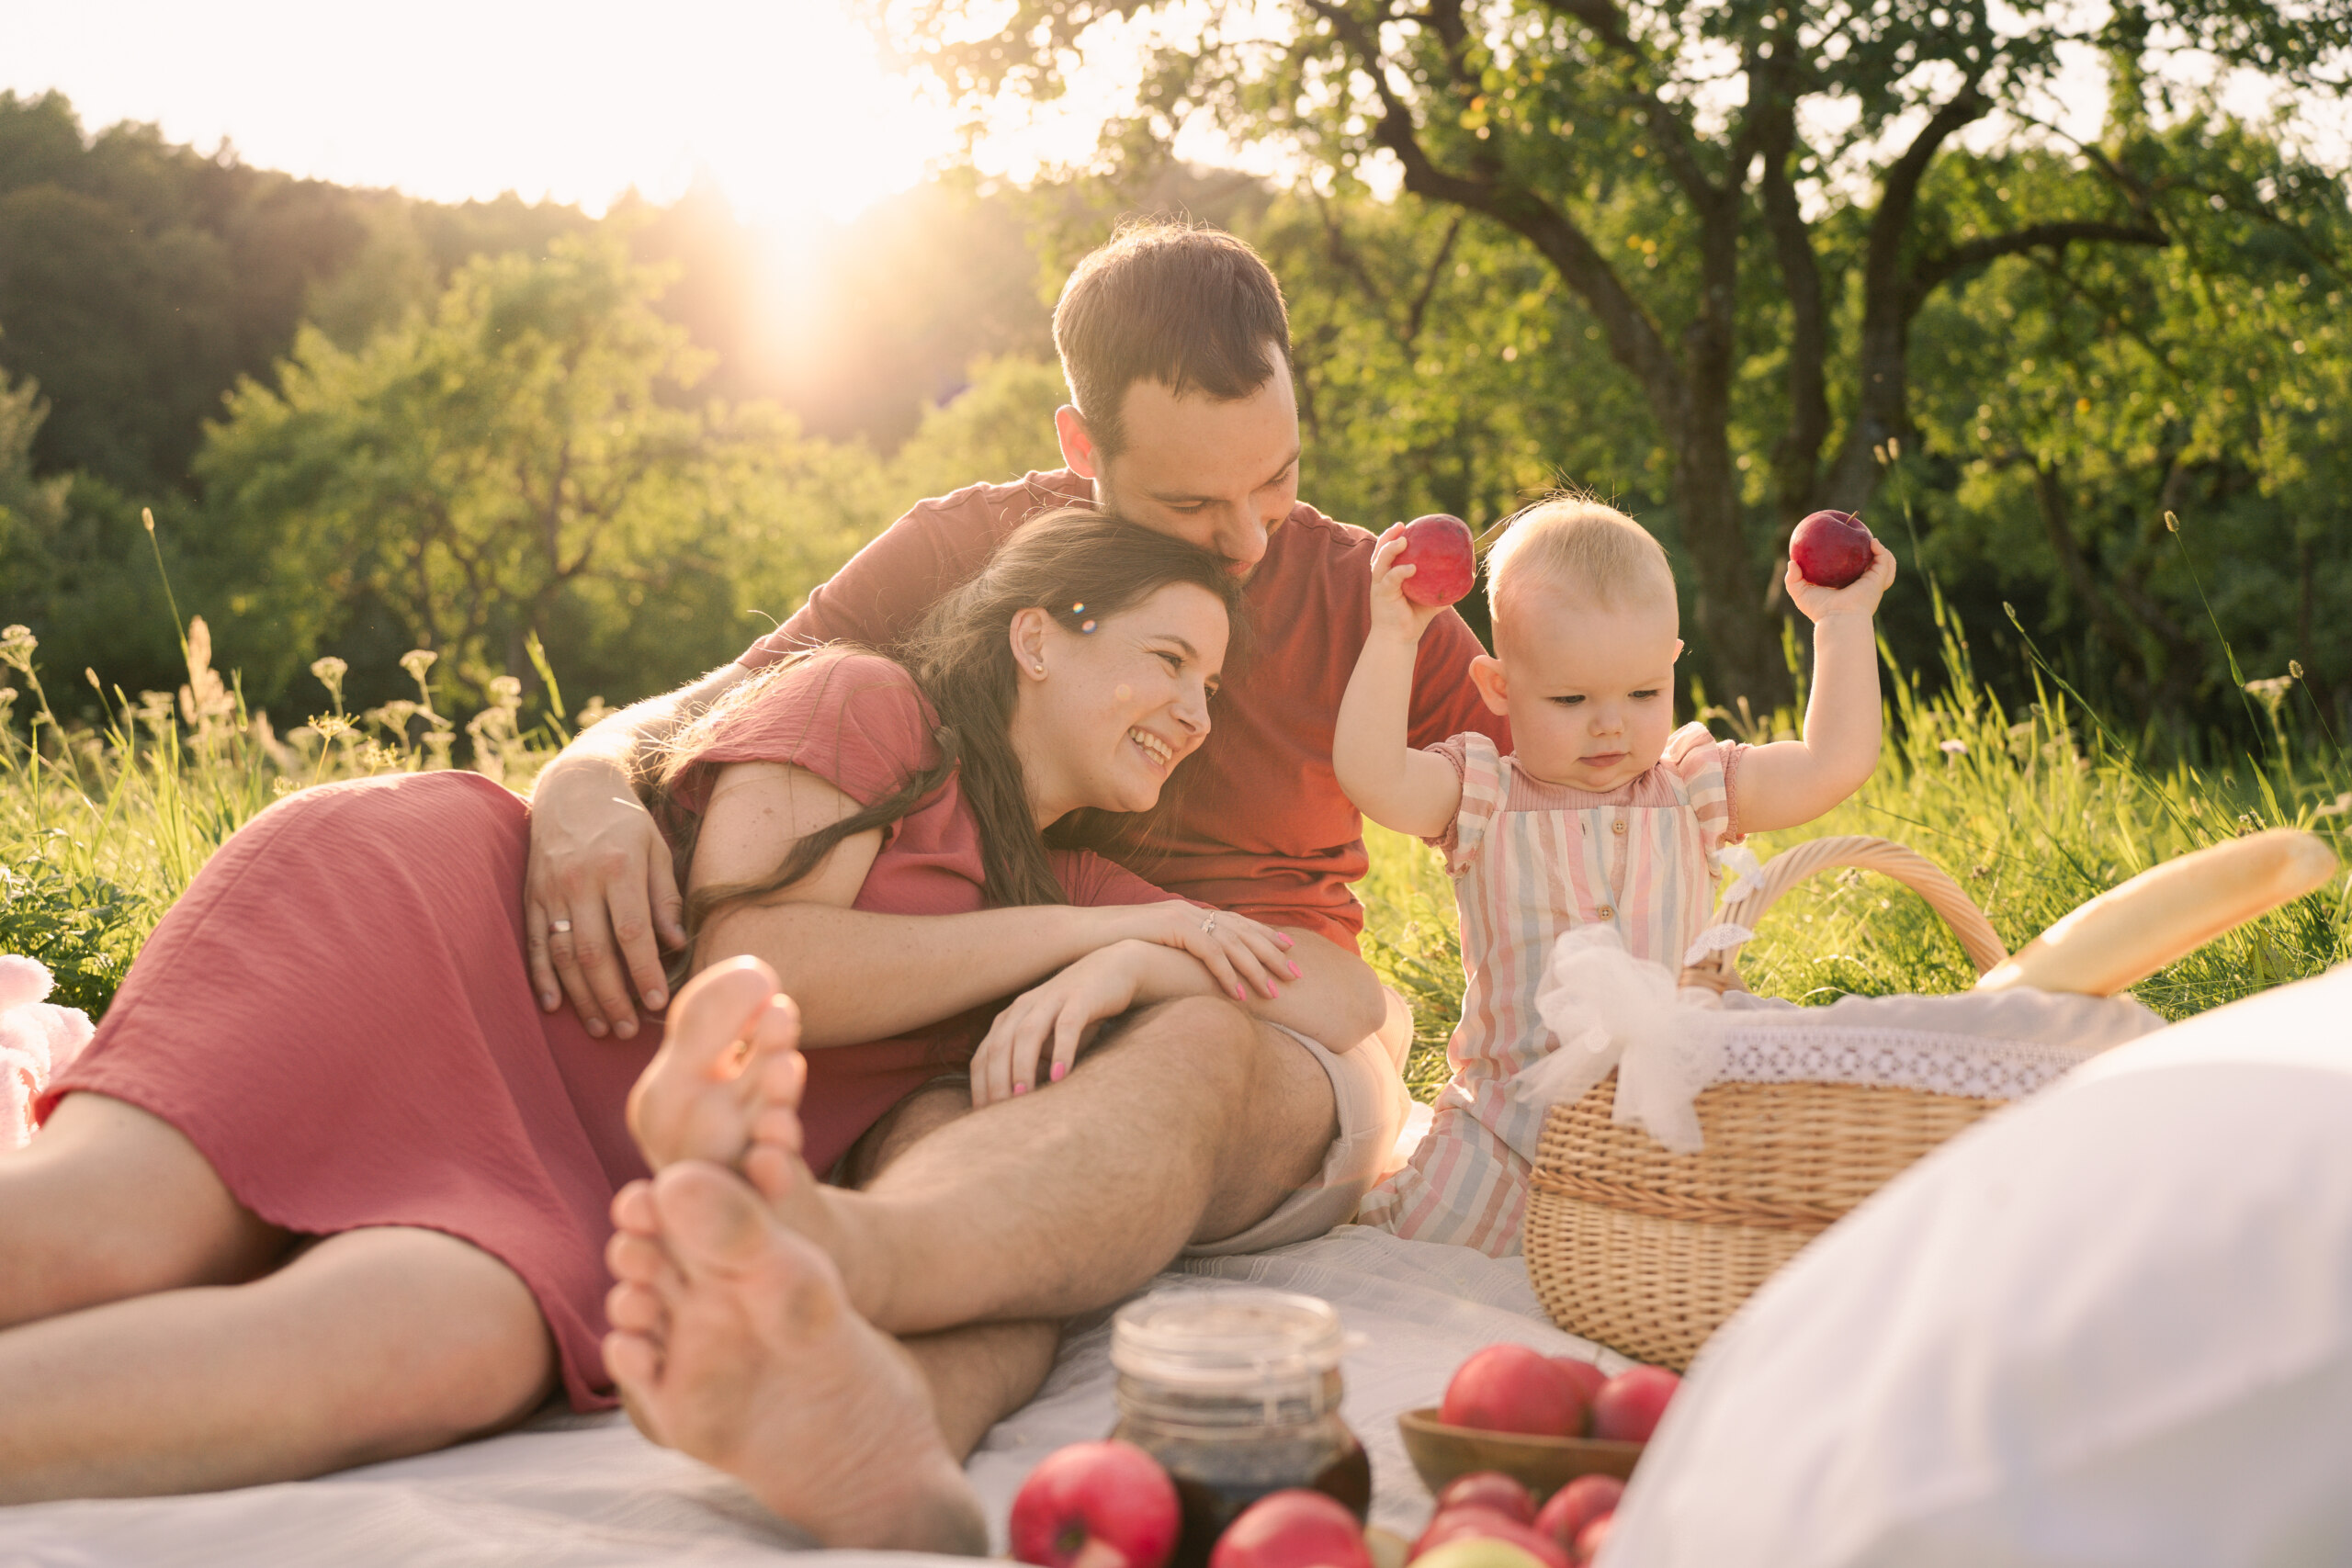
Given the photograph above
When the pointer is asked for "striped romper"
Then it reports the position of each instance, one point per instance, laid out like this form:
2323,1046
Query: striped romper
1530,862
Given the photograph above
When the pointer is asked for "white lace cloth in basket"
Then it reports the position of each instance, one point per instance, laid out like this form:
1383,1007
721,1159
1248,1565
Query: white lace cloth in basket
1610,1010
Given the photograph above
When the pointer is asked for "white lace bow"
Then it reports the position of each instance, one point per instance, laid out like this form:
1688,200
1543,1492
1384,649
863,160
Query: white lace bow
1610,1010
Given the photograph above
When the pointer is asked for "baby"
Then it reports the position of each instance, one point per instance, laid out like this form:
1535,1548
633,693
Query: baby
1603,812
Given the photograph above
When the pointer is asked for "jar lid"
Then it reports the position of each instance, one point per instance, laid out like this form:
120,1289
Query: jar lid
1226,1341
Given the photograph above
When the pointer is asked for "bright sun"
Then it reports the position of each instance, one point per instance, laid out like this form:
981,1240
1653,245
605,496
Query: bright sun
782,103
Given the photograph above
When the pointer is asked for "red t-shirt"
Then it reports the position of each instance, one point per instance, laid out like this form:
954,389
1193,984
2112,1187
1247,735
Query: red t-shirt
859,722
1261,825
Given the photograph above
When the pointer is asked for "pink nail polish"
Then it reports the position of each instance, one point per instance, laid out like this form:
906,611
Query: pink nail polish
1296,973
1021,1088
1061,1070
1239,995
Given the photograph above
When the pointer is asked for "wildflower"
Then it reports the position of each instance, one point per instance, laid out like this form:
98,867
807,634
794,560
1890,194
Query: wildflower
17,645
329,725
330,672
147,515
2294,668
416,661
505,691
280,786
2272,691
1952,748
1895,447
2172,523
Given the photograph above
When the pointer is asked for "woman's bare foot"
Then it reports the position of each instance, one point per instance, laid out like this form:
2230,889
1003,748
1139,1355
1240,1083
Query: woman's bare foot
737,1345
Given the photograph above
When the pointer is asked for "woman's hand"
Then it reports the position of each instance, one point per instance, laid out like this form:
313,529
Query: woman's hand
1063,1012
1234,950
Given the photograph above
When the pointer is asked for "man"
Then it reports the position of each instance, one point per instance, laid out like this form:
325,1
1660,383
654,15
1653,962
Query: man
1198,1124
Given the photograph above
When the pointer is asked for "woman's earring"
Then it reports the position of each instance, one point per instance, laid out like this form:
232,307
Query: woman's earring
1037,670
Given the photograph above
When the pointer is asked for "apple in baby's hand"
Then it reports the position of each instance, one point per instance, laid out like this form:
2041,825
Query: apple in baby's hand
1475,1523
1629,1404
1509,1388
1488,1489
1577,1505
1831,548
1438,550
1584,1375
1097,1505
1295,1529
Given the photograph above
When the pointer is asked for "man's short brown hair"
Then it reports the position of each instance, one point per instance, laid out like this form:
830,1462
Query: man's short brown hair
1172,301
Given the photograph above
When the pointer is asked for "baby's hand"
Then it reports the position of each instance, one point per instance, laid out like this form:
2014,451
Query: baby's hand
1393,614
1859,597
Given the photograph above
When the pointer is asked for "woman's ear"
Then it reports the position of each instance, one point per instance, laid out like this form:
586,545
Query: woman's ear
1487,674
1028,636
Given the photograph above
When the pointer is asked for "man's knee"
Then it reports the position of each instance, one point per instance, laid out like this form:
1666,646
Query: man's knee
1200,1041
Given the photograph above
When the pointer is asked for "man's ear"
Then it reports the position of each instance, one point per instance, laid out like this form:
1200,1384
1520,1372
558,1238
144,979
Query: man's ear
1487,674
1028,637
1077,442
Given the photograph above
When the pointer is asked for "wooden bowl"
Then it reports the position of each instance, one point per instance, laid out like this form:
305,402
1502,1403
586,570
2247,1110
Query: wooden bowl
1542,1465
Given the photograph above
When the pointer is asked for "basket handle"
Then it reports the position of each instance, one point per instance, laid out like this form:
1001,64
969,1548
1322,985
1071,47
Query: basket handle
1719,971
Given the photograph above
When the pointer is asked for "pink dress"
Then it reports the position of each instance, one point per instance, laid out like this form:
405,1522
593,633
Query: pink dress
1532,860
338,1015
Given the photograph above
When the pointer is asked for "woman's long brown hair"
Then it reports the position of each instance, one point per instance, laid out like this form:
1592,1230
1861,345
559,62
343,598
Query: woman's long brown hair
1076,564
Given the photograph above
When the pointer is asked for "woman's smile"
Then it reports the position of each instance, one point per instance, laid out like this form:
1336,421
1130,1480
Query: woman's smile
1158,752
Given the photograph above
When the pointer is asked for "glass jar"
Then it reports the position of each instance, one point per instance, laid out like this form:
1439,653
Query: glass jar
1237,1394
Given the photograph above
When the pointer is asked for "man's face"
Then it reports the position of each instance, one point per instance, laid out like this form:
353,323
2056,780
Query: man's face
1220,475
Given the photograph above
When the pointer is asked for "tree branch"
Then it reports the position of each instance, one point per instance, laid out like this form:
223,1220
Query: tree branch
1939,270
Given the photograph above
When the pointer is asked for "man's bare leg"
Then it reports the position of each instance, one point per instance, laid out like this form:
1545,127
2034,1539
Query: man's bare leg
741,1350
1190,1126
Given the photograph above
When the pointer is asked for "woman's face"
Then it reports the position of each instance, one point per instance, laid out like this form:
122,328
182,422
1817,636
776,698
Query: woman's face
1102,717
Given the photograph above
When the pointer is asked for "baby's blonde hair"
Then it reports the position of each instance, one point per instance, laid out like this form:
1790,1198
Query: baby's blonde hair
1586,549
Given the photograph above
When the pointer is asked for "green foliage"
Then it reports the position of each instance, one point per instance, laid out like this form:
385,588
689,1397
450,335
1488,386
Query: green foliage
516,465
83,929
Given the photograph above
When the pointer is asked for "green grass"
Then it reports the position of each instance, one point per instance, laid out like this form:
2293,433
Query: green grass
2032,811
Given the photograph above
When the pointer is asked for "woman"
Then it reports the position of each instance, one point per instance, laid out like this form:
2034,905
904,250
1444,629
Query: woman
328,1188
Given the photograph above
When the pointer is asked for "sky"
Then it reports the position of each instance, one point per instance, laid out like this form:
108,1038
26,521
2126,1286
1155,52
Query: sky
782,103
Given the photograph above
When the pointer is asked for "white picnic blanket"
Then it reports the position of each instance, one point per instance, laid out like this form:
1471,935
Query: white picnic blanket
571,1492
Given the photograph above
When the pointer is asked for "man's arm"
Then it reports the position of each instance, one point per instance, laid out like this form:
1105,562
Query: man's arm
598,862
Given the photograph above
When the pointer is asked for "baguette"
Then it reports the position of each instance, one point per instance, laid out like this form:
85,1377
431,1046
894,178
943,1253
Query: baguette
2128,933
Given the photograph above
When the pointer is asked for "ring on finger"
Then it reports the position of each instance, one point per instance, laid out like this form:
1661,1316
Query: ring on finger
1208,927
560,928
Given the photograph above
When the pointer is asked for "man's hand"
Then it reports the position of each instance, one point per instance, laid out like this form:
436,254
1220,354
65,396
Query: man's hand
600,900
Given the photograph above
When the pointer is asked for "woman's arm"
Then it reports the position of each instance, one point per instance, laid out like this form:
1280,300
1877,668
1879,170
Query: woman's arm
1044,1028
1792,782
1397,786
859,976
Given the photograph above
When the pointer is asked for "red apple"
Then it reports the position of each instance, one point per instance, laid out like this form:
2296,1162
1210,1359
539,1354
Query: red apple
1475,1523
1831,548
1438,548
1584,1374
1577,1505
1595,1537
1488,1489
1629,1404
1103,1505
1297,1529
1509,1388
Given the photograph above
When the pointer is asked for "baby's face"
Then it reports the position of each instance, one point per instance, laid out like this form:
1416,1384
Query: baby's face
1590,691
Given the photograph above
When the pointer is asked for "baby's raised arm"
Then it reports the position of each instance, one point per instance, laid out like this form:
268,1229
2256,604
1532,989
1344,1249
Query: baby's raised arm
1790,781
1397,786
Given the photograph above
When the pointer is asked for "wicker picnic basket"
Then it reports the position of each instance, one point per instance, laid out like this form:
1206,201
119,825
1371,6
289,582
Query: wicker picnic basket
1649,1251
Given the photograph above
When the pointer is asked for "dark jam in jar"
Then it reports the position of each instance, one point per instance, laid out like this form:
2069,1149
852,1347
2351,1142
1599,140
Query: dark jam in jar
1237,1394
